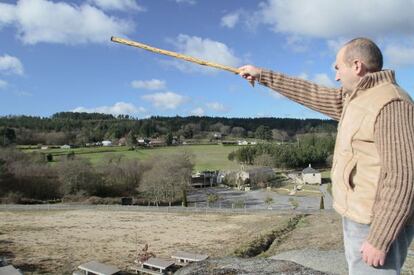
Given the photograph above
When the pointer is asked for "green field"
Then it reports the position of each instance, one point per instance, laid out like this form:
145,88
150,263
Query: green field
207,157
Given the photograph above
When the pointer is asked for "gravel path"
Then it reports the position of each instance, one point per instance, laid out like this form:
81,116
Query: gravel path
331,261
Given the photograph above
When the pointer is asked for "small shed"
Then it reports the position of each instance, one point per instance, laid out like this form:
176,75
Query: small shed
184,258
159,265
311,176
98,268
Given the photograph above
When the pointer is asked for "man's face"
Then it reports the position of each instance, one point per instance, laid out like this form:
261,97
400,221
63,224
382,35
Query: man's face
345,73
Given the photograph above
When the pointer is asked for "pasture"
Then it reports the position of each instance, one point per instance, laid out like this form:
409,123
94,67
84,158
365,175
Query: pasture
206,157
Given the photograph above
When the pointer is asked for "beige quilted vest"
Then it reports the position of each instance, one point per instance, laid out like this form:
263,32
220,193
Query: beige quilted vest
356,166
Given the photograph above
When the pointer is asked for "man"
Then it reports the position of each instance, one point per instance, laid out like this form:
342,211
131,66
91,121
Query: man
373,167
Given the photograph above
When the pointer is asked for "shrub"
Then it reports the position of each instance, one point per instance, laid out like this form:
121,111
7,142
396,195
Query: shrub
49,157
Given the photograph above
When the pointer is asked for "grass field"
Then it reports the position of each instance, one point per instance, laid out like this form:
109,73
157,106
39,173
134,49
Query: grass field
56,242
207,157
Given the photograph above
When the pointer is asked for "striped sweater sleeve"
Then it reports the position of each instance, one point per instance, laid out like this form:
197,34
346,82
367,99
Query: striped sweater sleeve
328,101
393,207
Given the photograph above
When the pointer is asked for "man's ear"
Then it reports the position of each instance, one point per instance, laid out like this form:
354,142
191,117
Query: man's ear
359,67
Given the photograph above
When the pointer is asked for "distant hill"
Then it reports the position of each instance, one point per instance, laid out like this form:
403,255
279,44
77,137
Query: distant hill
80,128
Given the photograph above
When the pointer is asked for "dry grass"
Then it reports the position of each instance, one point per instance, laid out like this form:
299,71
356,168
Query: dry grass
56,242
321,231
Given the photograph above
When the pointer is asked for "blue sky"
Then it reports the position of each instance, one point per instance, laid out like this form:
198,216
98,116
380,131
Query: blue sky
57,56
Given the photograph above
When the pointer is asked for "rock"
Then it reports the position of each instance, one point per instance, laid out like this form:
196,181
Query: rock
248,266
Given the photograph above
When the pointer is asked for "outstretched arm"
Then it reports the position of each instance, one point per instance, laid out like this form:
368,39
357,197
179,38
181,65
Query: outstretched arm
328,101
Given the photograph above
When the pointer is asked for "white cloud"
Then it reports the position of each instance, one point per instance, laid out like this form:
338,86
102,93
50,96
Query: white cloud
22,93
7,14
304,76
320,78
216,106
205,49
119,108
59,22
153,84
325,18
399,55
190,2
323,79
3,84
230,20
121,5
11,65
197,112
167,100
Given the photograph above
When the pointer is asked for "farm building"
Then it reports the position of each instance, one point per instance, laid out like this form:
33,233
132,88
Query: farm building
106,143
184,258
311,176
204,179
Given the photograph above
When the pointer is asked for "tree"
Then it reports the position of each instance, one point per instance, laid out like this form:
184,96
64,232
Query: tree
268,200
322,204
264,160
280,135
169,139
76,176
263,132
168,178
121,177
49,157
238,132
131,139
212,198
7,136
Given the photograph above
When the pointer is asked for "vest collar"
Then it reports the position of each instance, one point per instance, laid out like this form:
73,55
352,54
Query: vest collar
371,80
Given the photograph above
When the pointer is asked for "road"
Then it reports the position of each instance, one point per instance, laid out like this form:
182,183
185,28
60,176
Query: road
252,199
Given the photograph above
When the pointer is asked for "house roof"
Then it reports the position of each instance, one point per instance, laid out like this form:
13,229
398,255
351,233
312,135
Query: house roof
189,256
9,270
309,170
158,263
99,268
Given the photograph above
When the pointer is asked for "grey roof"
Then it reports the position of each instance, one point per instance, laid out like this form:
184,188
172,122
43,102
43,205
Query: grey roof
189,256
309,170
158,263
9,270
99,268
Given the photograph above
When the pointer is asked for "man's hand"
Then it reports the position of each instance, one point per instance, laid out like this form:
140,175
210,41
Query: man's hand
249,72
371,255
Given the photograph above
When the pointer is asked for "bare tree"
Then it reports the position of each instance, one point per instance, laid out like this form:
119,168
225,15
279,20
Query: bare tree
168,177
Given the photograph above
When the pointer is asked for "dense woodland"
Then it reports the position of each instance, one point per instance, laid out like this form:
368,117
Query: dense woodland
81,128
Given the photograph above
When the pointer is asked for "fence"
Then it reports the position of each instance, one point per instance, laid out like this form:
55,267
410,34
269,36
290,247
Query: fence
165,209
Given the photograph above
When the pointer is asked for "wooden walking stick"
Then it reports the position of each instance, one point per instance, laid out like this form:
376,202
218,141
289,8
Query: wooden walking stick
174,54
177,55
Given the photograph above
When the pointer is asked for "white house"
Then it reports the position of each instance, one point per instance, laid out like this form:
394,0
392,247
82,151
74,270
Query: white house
311,176
66,146
242,142
106,143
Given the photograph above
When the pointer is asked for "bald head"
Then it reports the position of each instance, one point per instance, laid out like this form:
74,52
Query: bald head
366,51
